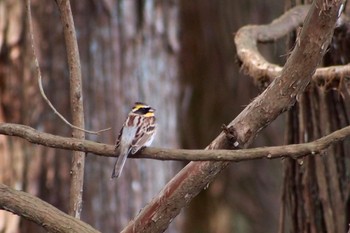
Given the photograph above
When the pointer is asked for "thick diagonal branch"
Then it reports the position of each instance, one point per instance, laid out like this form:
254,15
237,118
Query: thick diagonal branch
40,212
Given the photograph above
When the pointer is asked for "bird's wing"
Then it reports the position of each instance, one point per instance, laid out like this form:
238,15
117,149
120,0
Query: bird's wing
144,136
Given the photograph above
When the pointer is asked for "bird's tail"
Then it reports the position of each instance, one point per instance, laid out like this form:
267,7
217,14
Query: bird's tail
119,164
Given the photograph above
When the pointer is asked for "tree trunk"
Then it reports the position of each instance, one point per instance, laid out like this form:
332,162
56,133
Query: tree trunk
316,190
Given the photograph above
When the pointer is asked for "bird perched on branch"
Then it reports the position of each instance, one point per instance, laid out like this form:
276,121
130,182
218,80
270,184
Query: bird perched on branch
137,132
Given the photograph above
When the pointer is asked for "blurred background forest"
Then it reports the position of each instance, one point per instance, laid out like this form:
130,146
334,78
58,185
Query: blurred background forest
176,55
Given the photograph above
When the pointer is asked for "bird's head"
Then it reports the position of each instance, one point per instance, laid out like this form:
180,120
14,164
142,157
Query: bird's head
143,109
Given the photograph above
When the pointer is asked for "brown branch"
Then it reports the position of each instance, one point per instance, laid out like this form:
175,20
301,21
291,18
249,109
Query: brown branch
277,98
40,212
54,141
76,101
273,152
256,66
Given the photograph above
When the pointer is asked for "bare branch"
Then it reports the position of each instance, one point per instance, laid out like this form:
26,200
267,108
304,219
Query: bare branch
39,77
54,141
274,152
40,212
77,109
256,66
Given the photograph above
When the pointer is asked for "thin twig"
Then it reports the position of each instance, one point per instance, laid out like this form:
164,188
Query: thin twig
274,152
39,77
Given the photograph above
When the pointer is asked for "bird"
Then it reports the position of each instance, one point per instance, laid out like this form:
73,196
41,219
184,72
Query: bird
137,133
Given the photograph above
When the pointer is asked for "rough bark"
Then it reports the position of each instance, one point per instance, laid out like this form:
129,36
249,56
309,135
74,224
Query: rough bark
315,196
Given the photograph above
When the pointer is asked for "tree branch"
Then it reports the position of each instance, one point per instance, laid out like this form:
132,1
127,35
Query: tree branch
55,141
256,66
76,100
273,152
40,212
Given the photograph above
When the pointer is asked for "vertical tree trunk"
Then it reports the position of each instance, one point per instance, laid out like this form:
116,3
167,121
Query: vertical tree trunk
128,53
316,193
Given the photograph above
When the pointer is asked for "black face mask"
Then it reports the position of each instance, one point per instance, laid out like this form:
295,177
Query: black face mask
142,111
